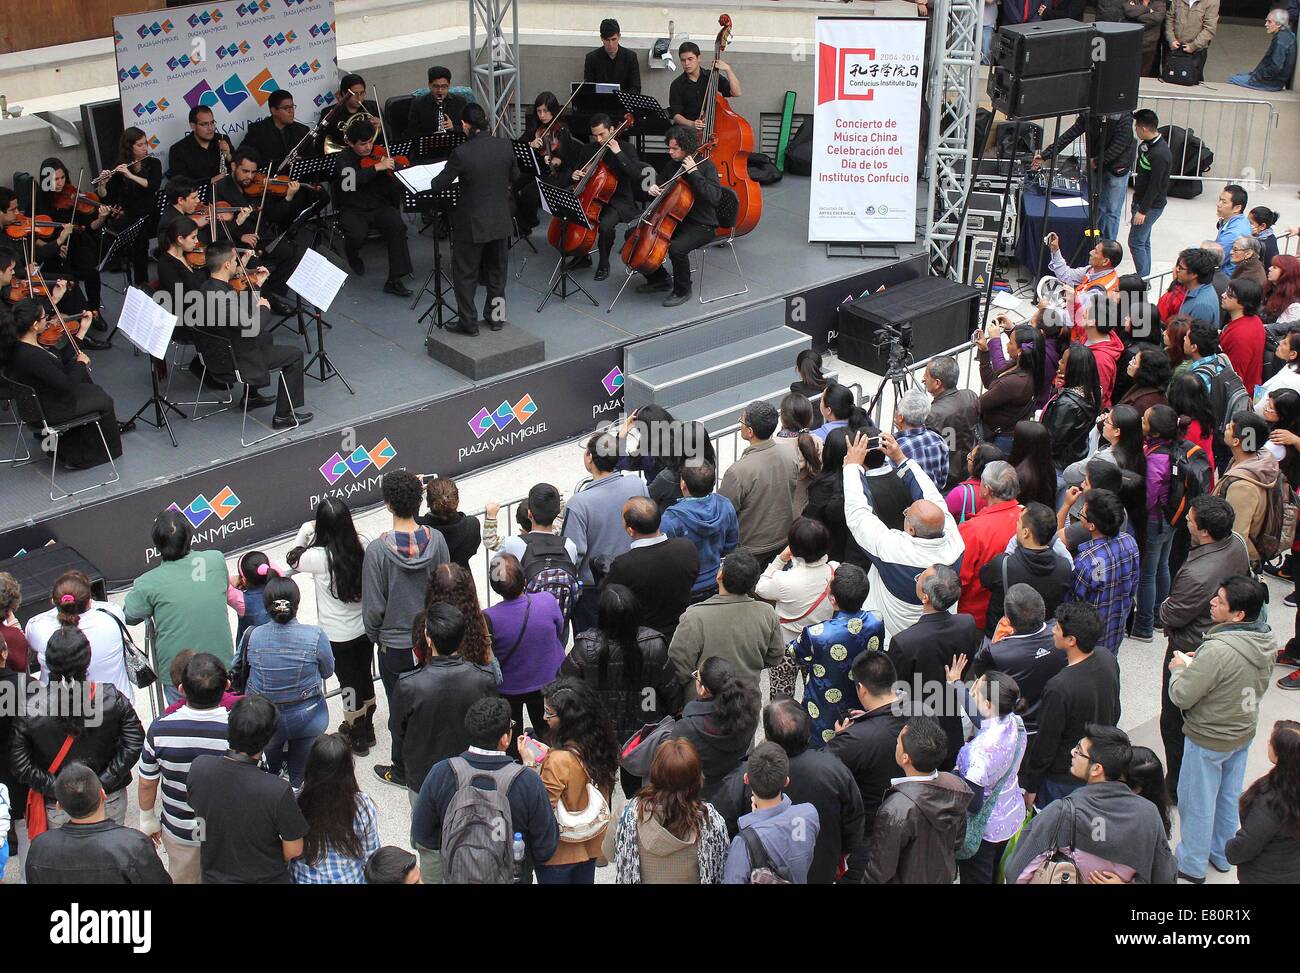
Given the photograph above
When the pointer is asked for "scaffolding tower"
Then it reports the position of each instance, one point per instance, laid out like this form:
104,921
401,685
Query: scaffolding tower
952,102
494,48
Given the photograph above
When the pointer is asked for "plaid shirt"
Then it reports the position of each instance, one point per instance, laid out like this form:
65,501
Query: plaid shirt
1106,574
928,450
335,868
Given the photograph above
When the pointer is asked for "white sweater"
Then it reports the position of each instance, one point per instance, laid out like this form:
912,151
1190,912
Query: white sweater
795,590
339,620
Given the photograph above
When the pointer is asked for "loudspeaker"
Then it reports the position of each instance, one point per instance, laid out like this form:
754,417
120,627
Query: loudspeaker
1009,147
101,122
1117,68
38,569
942,312
1039,96
1045,47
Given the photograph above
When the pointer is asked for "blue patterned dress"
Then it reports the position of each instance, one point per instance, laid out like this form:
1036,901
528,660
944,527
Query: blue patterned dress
825,652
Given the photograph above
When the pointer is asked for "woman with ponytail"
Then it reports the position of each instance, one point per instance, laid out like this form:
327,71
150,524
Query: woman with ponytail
288,663
840,411
96,722
246,589
1009,394
102,622
1262,220
1266,848
795,434
812,381
720,721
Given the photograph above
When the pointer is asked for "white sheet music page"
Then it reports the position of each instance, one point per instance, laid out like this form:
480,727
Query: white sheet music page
146,323
316,280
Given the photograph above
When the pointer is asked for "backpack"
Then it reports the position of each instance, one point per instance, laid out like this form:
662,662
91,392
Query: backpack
1227,398
1278,532
548,567
1190,476
761,869
1191,157
763,170
477,830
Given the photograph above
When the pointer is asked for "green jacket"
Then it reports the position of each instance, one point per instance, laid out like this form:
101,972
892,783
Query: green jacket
1220,690
186,599
741,629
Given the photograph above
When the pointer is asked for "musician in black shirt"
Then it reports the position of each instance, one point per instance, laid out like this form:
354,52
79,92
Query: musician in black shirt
700,223
686,93
437,111
275,136
132,186
611,63
352,108
203,155
64,293
182,197
261,228
623,162
368,197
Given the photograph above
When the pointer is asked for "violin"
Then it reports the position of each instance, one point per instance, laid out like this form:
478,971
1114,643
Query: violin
646,246
594,191
378,154
198,257
43,227
228,209
21,290
87,204
735,141
271,186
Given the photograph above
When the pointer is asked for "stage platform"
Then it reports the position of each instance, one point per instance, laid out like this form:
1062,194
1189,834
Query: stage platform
377,344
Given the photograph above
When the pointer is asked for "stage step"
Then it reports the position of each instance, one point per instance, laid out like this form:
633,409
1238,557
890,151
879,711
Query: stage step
678,346
720,409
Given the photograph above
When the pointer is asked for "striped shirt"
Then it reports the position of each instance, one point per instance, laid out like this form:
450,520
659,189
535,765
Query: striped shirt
171,745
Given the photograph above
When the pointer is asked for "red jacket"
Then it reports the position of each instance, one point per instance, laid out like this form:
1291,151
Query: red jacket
1107,354
986,536
1243,342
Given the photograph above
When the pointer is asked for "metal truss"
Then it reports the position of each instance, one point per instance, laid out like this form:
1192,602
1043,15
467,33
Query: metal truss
494,48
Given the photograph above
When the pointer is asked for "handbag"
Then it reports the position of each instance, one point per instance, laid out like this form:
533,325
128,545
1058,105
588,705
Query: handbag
639,750
34,815
579,826
975,825
1059,868
138,669
1184,69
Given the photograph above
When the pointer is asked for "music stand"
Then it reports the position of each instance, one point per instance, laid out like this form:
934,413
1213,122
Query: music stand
643,108
435,144
562,204
316,282
149,327
308,215
529,163
437,283
122,241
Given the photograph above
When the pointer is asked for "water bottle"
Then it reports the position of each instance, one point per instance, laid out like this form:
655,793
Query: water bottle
517,853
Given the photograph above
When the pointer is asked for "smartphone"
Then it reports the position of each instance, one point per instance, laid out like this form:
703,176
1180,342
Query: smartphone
874,442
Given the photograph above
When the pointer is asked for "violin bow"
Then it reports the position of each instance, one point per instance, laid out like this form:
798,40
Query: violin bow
58,316
383,132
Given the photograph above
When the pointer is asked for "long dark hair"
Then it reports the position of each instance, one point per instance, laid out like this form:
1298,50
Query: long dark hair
335,531
1287,404
1281,785
1153,369
584,726
618,619
1145,776
1187,397
1081,374
329,800
673,791
1031,455
809,365
124,145
547,100
839,400
735,704
1029,341
44,197
454,585
797,416
1129,453
67,657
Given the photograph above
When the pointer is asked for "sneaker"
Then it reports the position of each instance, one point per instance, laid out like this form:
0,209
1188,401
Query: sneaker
1289,600
1182,876
389,775
1142,638
1221,869
1286,658
1290,682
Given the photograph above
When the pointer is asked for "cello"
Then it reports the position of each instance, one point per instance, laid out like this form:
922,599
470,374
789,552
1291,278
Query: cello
594,190
735,141
646,247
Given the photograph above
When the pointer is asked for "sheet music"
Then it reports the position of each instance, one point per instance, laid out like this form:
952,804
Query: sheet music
607,89
146,323
418,178
316,280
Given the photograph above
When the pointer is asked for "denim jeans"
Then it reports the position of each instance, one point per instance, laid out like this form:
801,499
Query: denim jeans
1153,586
392,663
986,42
1051,790
1243,80
578,873
1139,240
1208,790
300,724
1110,206
171,694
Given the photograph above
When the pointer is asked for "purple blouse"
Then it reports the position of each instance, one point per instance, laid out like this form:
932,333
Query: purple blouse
985,759
528,663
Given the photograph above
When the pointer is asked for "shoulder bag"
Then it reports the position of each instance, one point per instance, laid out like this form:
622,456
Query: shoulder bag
976,823
1059,868
137,663
580,826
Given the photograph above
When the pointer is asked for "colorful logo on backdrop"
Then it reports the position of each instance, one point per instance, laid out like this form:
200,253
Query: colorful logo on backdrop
117,38
254,8
154,29
358,461
303,69
151,107
484,422
203,18
323,100
851,73
182,62
613,381
277,40
323,29
134,71
233,91
198,510
233,49
152,142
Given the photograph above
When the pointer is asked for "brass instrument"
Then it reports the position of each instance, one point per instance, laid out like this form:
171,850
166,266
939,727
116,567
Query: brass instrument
332,146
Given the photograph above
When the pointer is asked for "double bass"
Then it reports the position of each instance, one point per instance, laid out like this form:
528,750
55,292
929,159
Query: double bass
594,190
646,246
735,141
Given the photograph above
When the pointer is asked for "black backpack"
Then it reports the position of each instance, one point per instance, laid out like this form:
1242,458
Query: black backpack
798,153
1190,475
548,567
763,170
1227,398
1191,157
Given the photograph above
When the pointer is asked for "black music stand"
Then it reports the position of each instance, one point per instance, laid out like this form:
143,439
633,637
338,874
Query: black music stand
122,241
310,215
321,358
318,169
644,109
528,163
158,399
562,204
437,283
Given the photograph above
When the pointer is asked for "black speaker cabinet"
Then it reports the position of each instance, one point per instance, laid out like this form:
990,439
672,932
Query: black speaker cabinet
1039,96
38,569
1045,47
942,312
1117,68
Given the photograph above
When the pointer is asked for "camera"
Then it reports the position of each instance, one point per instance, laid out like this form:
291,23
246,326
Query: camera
898,339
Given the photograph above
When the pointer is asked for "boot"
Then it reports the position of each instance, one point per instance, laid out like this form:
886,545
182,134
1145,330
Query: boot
364,729
351,731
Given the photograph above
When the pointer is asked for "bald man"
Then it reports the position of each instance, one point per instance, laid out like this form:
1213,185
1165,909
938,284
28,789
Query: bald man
660,570
929,535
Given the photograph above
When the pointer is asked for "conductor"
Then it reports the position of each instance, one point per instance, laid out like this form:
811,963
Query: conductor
481,225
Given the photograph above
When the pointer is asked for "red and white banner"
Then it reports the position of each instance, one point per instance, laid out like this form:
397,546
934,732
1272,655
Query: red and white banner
866,129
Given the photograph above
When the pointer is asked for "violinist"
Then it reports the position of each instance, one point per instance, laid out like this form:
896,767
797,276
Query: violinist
481,225
182,197
177,276
66,297
437,111
368,197
556,154
203,155
623,162
268,215
352,108
698,227
275,136
686,93
611,63
239,317
132,188
60,375
57,197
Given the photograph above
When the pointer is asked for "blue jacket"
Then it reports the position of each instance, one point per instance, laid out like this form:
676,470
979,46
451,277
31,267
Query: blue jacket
1233,227
1278,64
710,523
788,833
1202,303
287,663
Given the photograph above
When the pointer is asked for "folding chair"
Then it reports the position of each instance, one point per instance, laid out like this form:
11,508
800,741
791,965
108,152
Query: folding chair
218,357
728,211
7,403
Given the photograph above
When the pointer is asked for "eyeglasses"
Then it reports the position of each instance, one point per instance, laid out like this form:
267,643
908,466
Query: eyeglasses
550,714
288,107
1078,752
1237,249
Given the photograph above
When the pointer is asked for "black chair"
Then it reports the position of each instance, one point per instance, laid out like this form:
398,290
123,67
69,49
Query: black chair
397,112
218,357
7,396
728,211
28,410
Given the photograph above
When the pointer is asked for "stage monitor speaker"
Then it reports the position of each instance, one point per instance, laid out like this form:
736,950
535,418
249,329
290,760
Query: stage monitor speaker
1045,47
38,569
101,122
942,312
1117,68
1040,96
